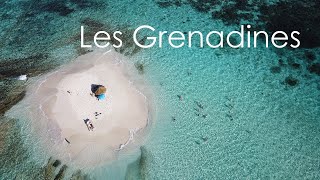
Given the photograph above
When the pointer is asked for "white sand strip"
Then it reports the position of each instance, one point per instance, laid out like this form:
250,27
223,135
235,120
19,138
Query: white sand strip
65,102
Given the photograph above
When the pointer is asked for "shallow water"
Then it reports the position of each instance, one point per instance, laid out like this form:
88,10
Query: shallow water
243,113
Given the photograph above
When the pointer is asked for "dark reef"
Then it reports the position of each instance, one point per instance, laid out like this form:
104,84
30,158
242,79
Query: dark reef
291,81
165,4
57,7
48,172
275,69
310,56
302,16
287,16
293,64
60,7
81,4
9,100
140,66
315,68
32,65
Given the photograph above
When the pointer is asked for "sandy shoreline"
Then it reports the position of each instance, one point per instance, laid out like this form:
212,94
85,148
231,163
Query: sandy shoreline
63,101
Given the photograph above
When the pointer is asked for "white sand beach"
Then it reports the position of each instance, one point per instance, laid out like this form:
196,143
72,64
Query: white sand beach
64,100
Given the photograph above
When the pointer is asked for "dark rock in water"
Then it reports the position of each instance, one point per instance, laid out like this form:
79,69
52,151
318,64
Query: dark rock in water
228,14
295,65
227,11
234,12
129,47
310,56
232,40
169,3
11,92
275,69
79,176
31,66
291,81
56,163
6,128
49,169
85,3
203,6
61,173
136,48
281,62
92,26
242,4
57,7
82,51
314,68
4,131
140,67
92,23
9,101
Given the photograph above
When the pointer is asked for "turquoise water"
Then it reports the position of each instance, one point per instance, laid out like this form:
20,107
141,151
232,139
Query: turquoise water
239,115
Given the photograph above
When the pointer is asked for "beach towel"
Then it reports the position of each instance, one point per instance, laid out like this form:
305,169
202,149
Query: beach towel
101,97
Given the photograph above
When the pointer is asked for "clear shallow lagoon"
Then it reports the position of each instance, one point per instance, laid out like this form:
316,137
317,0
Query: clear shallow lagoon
243,113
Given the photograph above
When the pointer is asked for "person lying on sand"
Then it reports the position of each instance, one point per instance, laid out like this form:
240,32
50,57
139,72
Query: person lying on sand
89,124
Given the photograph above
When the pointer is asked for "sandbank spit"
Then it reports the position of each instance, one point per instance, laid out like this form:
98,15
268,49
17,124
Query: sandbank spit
64,100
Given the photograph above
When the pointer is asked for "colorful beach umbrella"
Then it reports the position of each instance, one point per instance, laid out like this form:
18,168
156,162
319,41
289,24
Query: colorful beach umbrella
100,90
